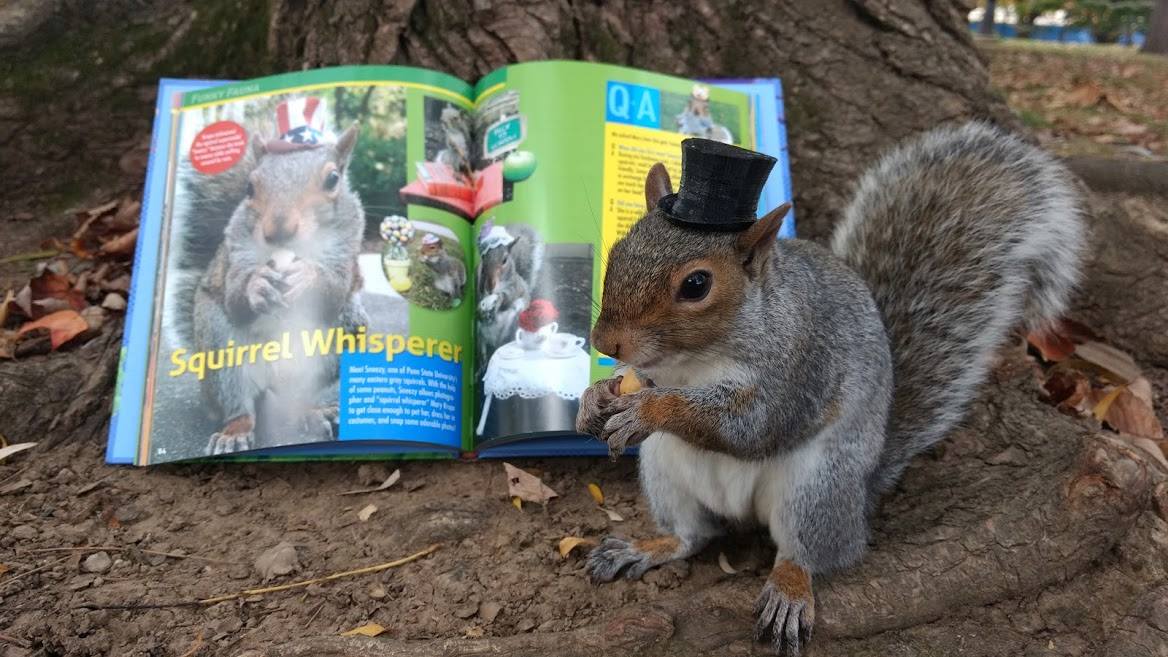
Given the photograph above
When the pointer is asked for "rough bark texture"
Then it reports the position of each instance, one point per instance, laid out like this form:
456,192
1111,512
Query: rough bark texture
1029,533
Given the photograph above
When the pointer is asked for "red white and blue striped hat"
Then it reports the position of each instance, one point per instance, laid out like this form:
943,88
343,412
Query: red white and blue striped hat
301,121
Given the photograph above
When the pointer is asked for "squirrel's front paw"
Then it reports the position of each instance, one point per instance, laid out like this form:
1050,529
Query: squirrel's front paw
785,610
594,406
615,556
298,277
627,425
489,303
263,290
236,436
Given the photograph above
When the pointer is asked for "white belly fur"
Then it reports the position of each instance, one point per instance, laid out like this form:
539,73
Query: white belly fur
746,491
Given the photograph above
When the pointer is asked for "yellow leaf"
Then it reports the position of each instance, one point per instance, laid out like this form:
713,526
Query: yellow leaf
365,513
370,629
596,493
517,503
569,543
1101,408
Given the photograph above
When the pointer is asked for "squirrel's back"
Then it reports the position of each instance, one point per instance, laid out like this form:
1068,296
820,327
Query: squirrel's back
962,235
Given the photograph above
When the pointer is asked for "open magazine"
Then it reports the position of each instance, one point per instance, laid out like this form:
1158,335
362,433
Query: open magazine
368,261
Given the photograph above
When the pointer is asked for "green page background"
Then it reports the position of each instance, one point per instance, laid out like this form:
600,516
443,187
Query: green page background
564,106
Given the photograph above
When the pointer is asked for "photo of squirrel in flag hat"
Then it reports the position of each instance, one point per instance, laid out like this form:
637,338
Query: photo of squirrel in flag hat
275,238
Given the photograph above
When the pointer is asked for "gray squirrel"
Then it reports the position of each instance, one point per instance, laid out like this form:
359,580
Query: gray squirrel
510,258
789,385
269,246
456,153
449,272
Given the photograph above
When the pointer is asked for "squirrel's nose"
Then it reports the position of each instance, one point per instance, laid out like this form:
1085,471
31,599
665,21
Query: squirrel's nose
280,230
606,342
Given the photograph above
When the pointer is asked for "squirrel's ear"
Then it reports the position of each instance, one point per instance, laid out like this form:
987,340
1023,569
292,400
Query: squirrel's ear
258,146
346,144
657,185
754,244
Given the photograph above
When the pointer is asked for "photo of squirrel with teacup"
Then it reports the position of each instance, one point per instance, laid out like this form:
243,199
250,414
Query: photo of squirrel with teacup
273,246
531,330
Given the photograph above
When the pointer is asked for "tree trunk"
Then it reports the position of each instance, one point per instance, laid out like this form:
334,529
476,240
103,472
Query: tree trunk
987,20
1157,34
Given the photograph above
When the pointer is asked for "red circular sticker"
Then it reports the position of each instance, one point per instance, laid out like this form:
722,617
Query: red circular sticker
218,147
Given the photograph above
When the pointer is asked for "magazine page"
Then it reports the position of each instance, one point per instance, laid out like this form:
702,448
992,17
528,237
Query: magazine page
574,142
305,303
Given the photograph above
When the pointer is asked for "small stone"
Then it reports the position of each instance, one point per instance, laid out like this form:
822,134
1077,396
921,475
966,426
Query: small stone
80,582
127,514
466,611
488,611
64,476
371,474
525,625
377,592
98,562
23,533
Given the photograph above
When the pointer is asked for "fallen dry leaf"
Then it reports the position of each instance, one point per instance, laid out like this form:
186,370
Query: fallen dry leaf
113,301
1128,413
1103,403
527,486
473,632
369,629
1051,345
517,503
122,244
7,344
569,543
367,512
4,569
277,561
389,481
612,515
724,564
1122,367
63,326
1150,446
5,452
596,493
1067,389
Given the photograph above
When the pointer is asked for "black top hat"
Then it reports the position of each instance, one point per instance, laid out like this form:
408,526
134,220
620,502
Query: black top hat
719,188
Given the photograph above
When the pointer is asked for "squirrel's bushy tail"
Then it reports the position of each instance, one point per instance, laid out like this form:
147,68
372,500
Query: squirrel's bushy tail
962,235
203,207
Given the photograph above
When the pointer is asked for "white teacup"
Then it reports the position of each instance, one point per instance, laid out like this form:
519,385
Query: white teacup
530,339
561,343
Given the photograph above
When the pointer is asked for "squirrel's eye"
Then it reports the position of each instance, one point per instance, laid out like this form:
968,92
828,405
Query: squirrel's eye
331,180
250,190
695,287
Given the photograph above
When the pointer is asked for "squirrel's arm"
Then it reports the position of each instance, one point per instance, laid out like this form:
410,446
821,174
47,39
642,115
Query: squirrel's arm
735,417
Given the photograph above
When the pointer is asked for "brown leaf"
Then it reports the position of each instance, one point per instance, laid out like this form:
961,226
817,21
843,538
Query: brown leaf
1051,345
526,486
63,326
612,515
569,543
9,450
122,244
1067,389
369,629
1153,447
389,481
7,344
1119,364
1084,95
1130,414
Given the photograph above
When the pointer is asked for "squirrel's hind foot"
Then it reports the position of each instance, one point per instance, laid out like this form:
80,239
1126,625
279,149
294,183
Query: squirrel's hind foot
785,610
236,436
616,556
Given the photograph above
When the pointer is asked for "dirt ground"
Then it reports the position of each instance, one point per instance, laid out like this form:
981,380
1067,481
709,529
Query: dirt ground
166,537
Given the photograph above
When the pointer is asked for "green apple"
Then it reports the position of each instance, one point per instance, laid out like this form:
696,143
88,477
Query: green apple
518,166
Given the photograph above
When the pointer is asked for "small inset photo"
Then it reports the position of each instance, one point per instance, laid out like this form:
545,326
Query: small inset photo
696,116
424,262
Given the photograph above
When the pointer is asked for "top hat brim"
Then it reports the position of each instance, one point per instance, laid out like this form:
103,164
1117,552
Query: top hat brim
733,225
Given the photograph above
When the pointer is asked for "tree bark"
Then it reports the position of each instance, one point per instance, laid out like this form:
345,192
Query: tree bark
1157,34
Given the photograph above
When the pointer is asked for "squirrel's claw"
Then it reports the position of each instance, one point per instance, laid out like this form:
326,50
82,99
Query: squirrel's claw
785,611
627,426
613,556
263,295
594,405
227,443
